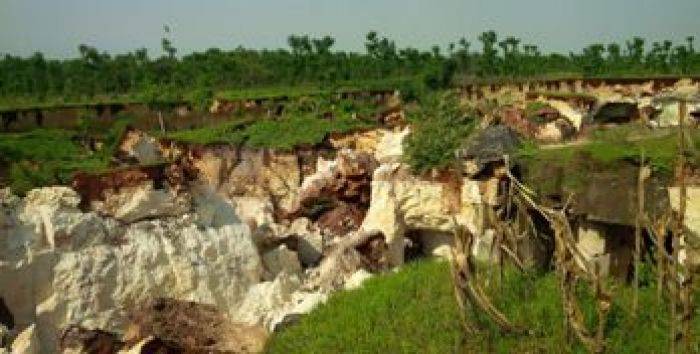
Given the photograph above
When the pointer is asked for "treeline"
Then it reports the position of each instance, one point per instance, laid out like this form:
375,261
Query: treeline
313,60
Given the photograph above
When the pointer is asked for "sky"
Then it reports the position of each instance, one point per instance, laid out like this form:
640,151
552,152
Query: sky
57,27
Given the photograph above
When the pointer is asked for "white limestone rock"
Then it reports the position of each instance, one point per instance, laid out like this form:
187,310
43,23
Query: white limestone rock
357,279
141,202
264,300
574,116
390,146
27,342
401,202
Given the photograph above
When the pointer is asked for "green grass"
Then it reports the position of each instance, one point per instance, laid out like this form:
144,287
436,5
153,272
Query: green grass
608,147
414,311
311,89
283,134
44,157
167,95
439,128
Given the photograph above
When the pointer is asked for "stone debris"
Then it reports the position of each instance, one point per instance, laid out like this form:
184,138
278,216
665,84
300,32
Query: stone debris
279,260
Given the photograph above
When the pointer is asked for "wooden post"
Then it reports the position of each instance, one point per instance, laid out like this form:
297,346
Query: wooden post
638,233
161,122
660,231
686,276
679,288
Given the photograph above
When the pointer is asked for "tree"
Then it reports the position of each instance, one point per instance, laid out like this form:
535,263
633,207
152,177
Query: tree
488,64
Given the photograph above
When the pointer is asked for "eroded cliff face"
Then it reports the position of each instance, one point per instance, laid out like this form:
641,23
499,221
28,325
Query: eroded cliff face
255,238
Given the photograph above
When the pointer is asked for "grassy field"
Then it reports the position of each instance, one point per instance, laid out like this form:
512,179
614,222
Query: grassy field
196,96
44,157
282,134
413,311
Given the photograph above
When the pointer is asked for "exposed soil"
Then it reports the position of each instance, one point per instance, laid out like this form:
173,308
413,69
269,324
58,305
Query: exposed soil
188,327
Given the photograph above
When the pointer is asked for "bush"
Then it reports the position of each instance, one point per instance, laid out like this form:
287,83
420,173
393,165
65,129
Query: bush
439,129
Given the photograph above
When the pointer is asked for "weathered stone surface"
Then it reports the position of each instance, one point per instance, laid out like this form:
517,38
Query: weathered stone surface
310,245
213,209
94,269
607,245
27,342
669,113
48,219
143,202
490,145
264,301
357,279
401,202
691,238
365,142
281,259
390,146
139,147
302,303
554,132
568,112
264,173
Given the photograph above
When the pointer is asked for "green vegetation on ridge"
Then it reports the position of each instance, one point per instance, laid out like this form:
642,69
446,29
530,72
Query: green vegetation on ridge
440,127
44,157
283,134
311,64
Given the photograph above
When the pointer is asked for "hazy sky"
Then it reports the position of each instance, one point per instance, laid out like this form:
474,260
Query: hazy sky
56,27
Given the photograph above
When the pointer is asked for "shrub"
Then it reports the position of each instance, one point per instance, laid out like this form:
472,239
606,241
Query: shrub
439,129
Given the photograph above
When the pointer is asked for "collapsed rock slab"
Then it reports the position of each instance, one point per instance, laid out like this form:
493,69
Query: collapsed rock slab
143,202
281,259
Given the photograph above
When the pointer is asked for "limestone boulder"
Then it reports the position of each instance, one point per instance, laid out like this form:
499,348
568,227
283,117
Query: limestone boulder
401,202
91,286
139,147
390,146
692,223
302,303
212,209
574,116
27,342
310,240
669,113
141,202
357,279
49,219
281,259
264,300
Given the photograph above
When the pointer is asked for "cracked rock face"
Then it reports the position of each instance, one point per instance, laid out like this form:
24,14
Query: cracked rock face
67,267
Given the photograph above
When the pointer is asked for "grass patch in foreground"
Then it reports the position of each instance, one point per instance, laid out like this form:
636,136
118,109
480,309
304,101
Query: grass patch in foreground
414,311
